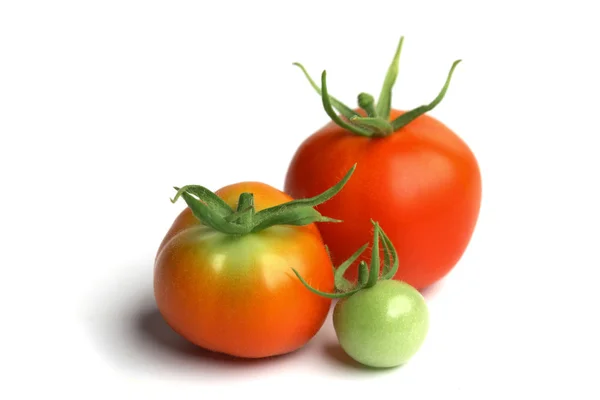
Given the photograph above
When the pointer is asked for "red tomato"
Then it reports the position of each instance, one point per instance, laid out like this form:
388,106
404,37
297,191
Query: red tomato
237,294
415,176
422,184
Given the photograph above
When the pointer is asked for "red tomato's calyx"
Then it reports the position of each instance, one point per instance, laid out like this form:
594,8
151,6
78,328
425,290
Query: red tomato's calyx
367,103
367,276
212,211
377,122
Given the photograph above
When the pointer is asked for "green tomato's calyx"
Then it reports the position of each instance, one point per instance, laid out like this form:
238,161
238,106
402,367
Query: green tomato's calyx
368,276
376,123
212,211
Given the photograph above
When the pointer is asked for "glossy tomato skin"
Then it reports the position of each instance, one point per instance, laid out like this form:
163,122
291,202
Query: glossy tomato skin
422,184
238,295
382,326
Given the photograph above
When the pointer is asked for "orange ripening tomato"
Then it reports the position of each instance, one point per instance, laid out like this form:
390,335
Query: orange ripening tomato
223,276
417,178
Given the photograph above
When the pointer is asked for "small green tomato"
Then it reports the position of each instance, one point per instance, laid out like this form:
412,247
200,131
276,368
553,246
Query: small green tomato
382,326
379,322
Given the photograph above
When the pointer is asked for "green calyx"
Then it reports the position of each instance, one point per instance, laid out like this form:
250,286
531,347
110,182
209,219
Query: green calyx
213,212
377,122
368,276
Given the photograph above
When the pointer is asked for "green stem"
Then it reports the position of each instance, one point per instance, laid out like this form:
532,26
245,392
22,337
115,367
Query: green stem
327,194
338,105
410,116
342,283
367,103
380,127
363,273
213,212
330,111
374,272
384,103
246,208
367,276
393,255
377,122
387,259
325,294
216,203
236,216
209,217
296,212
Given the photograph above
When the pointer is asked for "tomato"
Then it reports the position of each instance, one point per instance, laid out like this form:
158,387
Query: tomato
222,278
417,177
381,322
382,326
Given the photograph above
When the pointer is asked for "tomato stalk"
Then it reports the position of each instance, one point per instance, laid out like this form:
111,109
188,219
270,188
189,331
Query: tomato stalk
245,209
367,276
212,211
367,103
377,122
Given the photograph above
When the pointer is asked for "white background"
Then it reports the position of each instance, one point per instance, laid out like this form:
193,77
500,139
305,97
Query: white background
104,106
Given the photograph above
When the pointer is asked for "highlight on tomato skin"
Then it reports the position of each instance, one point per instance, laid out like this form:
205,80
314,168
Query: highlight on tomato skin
222,275
418,179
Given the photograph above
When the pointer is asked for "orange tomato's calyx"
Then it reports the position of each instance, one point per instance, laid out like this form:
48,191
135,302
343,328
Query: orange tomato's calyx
213,212
377,122
368,276
245,209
